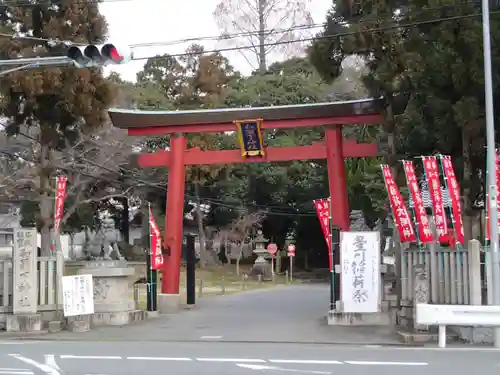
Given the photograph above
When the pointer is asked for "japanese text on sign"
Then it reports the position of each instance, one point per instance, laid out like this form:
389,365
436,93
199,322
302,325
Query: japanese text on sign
432,174
360,257
423,227
323,210
24,272
60,198
155,236
399,210
250,137
78,295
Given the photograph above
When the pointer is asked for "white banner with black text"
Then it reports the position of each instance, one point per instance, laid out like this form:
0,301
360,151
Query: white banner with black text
360,279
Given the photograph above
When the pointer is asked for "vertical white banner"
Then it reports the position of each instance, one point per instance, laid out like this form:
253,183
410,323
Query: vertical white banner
360,279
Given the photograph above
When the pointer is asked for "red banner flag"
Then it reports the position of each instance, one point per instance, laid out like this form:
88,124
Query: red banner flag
399,210
454,192
497,174
424,230
323,210
59,204
434,186
155,235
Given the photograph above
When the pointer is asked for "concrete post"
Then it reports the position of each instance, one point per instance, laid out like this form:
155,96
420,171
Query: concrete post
475,272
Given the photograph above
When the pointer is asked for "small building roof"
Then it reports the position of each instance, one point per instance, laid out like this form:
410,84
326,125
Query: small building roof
129,119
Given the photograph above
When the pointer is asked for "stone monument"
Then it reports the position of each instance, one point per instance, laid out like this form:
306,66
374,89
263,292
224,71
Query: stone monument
24,317
113,304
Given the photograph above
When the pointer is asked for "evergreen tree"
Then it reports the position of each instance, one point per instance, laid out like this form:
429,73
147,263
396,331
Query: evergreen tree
61,102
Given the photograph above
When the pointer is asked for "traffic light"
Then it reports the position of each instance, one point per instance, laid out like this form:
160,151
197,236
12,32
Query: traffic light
99,55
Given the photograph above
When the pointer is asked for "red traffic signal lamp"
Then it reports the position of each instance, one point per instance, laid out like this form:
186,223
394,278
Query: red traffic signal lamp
94,55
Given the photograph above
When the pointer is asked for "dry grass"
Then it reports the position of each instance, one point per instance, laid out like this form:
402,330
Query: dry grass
214,281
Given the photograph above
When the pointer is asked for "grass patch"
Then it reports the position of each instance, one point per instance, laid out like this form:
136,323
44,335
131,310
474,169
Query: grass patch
215,280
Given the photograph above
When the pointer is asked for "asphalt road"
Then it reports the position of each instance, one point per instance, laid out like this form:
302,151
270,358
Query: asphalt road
137,358
296,313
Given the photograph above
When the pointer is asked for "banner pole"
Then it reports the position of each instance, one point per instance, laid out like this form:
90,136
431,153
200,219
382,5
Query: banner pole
417,224
449,209
149,263
332,258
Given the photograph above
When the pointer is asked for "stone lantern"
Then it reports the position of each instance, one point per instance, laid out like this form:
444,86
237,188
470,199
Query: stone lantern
261,266
290,239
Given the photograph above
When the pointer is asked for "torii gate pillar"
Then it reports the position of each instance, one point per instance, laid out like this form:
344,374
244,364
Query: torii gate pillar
173,220
336,177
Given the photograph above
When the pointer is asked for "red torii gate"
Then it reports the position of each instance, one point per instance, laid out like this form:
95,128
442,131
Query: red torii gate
330,115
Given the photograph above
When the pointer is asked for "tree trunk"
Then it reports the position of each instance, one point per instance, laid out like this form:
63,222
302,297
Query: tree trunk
238,259
125,221
46,201
262,37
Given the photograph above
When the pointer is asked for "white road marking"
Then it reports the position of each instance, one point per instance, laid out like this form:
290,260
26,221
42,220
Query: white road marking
16,372
210,337
42,366
307,361
275,368
244,360
50,360
69,356
382,363
159,358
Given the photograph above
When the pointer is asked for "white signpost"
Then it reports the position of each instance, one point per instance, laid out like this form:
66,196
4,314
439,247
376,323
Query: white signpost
78,295
360,275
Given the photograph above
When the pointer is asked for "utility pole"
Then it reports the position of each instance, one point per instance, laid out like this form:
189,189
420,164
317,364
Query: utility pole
491,165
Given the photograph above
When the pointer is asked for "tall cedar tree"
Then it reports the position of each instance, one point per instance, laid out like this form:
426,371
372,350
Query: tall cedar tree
438,61
61,102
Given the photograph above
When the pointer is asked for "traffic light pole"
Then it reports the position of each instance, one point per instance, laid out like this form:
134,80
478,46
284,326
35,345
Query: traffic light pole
33,63
491,164
37,61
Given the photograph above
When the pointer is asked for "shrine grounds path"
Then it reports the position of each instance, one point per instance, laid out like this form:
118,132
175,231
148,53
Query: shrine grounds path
292,314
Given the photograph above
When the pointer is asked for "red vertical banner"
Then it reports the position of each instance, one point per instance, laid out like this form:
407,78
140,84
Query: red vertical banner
399,210
61,182
155,235
323,210
436,194
454,192
424,230
497,174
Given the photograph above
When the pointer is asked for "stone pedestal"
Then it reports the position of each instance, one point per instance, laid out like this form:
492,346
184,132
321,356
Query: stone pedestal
23,323
262,267
340,318
168,303
113,304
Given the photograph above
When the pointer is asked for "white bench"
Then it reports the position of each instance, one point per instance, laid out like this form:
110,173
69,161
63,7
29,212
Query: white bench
458,315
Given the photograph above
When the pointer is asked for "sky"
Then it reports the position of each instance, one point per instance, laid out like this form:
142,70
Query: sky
148,21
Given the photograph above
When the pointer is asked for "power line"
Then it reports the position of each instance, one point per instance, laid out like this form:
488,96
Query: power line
30,3
229,36
131,176
292,28
324,37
